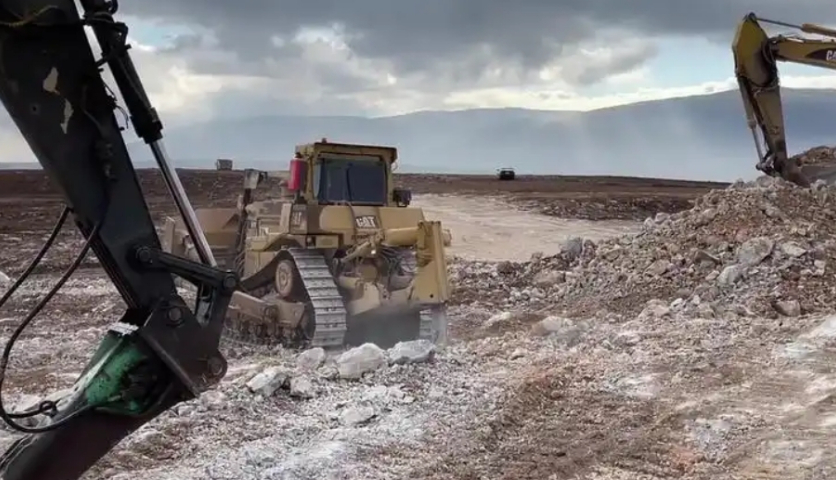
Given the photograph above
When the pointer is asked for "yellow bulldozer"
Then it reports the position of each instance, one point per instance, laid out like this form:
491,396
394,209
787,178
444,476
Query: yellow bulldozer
337,258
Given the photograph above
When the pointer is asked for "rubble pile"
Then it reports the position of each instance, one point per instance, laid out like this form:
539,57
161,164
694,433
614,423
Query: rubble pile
816,156
313,367
763,247
606,207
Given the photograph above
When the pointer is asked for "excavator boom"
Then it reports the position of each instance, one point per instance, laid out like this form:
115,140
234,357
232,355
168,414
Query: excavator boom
756,57
161,352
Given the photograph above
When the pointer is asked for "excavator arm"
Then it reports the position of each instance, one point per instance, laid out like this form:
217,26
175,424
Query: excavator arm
162,351
756,57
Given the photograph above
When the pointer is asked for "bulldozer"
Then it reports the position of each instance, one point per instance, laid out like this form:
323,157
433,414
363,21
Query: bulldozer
756,57
337,258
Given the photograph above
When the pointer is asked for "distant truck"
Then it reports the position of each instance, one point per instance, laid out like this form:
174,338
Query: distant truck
223,164
506,173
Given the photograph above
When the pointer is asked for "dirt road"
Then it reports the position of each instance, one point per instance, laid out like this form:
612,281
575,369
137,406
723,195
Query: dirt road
491,229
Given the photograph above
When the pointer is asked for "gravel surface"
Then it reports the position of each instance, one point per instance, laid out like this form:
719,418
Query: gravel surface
698,346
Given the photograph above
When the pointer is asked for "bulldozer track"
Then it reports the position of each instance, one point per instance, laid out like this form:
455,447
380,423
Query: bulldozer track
329,312
326,309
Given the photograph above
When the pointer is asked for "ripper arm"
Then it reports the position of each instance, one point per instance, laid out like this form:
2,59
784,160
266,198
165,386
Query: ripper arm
756,57
161,352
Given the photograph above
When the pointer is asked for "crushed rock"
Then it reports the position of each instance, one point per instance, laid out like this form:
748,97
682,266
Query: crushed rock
366,358
603,207
637,362
356,415
816,156
751,246
311,359
302,387
413,351
269,381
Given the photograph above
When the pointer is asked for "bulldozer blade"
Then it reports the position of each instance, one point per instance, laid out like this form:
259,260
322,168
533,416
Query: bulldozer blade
386,326
383,328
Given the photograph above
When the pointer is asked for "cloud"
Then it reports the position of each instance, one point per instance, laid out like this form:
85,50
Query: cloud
376,57
550,99
382,57
460,39
323,76
418,34
359,54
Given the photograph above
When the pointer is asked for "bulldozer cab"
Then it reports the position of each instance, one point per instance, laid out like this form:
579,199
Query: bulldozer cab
324,173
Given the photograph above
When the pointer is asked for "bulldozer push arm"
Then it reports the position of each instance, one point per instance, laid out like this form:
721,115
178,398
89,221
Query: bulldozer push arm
161,352
756,57
429,240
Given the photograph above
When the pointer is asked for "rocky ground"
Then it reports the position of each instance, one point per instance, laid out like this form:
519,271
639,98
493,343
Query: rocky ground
695,345
709,317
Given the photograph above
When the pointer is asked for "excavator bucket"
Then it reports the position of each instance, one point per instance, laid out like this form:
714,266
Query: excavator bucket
756,57
818,164
823,173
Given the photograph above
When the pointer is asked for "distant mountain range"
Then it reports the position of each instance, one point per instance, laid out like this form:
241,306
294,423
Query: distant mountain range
699,138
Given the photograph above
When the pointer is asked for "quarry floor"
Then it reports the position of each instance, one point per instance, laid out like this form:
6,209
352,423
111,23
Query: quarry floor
693,398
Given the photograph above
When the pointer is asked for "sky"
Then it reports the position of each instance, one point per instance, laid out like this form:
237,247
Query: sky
207,59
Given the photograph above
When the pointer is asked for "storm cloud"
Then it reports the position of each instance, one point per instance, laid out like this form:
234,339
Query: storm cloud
373,57
467,38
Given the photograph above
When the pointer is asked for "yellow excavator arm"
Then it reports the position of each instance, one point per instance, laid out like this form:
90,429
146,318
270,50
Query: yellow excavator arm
756,57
